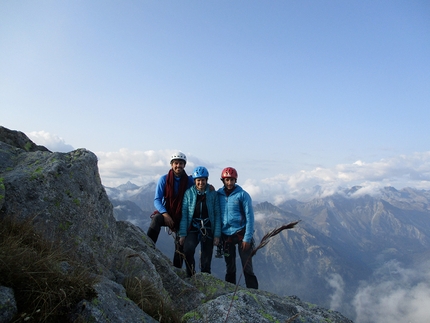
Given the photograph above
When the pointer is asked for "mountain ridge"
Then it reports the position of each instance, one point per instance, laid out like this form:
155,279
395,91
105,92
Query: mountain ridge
345,237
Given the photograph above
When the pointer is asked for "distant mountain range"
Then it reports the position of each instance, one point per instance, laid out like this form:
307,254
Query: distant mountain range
342,240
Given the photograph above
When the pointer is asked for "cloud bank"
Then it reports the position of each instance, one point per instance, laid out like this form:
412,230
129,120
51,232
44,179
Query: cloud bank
401,295
401,171
50,141
142,167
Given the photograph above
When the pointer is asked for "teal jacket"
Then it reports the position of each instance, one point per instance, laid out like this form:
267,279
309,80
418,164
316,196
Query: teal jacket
237,212
189,204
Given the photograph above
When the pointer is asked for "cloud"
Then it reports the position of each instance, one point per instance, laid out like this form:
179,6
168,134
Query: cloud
260,216
401,171
136,166
401,295
142,167
251,186
50,141
336,282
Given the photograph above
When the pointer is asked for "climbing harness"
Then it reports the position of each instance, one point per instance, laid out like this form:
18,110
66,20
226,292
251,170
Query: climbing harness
203,227
225,241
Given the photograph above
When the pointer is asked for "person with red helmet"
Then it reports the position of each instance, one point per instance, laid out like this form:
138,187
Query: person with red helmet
237,216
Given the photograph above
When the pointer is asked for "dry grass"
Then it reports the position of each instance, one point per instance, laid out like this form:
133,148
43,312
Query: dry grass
47,283
150,300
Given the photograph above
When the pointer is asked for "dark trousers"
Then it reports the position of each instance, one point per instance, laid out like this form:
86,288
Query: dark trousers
245,257
206,247
153,232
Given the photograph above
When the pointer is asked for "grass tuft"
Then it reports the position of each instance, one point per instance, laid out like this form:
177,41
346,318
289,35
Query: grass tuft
150,300
46,281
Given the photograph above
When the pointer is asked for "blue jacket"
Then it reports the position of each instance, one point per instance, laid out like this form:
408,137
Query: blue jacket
189,204
237,212
159,192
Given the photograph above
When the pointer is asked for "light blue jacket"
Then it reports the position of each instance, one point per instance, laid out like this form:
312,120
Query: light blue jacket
189,204
237,212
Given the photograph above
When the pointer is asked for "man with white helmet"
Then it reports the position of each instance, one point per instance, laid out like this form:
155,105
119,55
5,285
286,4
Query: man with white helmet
169,193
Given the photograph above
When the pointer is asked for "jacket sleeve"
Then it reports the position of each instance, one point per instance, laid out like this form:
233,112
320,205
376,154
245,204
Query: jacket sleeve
249,215
159,195
217,216
183,225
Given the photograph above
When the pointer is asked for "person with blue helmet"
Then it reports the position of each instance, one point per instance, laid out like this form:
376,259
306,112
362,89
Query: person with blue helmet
237,216
201,221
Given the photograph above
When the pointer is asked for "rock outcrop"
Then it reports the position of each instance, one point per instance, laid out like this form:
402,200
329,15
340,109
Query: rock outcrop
63,197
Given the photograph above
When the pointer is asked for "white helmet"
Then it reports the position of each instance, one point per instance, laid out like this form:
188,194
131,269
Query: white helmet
178,155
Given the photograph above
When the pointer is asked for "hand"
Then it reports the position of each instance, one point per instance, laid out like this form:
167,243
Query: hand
168,221
245,245
216,241
181,241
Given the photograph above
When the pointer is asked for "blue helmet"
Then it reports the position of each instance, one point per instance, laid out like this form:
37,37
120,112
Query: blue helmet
200,172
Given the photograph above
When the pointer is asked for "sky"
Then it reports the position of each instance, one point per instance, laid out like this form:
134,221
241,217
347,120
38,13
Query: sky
301,97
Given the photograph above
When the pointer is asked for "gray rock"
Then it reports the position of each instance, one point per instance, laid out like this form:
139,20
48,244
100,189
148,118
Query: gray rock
110,305
8,307
19,139
247,305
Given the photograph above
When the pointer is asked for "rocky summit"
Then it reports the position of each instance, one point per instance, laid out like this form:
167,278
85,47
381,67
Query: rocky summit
61,196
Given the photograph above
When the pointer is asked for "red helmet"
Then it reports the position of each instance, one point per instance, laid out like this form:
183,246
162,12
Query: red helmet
229,172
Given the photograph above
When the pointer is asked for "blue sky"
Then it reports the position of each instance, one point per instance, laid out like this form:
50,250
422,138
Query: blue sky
294,94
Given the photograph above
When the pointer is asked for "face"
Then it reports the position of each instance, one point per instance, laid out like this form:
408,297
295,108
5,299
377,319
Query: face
201,183
229,182
178,166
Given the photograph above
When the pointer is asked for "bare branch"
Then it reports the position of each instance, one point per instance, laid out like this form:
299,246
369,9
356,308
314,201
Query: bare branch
271,234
